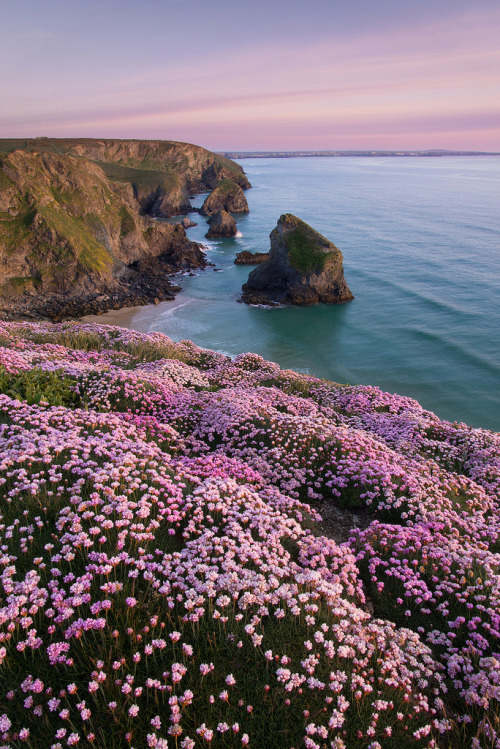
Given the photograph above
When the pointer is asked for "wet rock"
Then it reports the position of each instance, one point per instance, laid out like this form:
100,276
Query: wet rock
251,258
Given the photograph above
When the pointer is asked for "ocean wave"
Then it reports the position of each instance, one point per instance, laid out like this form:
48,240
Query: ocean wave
455,347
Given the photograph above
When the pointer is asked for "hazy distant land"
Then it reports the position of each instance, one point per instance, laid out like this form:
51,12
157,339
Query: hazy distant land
296,154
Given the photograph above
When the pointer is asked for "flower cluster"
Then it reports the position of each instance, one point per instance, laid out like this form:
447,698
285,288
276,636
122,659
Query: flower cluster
165,578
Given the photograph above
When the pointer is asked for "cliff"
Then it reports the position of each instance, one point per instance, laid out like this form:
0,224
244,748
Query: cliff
303,268
163,174
73,241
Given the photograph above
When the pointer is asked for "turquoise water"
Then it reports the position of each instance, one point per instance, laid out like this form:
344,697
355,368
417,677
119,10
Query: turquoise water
421,245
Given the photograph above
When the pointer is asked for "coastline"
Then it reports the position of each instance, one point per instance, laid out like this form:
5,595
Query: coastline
124,316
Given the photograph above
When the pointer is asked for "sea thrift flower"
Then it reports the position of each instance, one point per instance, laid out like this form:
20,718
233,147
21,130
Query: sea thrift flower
181,486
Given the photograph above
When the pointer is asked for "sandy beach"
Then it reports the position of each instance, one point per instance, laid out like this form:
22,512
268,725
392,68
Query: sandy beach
137,318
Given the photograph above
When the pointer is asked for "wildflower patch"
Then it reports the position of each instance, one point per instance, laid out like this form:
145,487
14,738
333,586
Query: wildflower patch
164,576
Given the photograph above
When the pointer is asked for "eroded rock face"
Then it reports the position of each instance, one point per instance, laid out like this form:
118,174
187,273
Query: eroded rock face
163,174
228,196
251,258
303,268
222,224
72,241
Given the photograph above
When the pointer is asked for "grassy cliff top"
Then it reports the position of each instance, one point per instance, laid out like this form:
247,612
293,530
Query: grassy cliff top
174,157
166,571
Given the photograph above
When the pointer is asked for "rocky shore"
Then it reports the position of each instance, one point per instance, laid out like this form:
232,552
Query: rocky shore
77,235
251,258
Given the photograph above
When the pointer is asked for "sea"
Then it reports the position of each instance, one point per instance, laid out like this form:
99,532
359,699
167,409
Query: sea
421,244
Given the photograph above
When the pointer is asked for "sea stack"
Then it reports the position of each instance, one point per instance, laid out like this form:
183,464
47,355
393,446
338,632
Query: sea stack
227,196
222,224
303,268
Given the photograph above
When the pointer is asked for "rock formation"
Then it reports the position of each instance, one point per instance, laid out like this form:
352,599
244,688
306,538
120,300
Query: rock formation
228,196
163,174
73,242
303,268
222,224
251,258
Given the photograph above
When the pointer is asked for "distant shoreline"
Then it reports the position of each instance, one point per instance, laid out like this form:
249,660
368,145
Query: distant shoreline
433,153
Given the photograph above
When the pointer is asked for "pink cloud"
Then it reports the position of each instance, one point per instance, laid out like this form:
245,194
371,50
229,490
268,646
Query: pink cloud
437,81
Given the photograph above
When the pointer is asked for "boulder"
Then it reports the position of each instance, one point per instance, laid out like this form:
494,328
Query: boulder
251,258
228,196
222,224
303,268
187,223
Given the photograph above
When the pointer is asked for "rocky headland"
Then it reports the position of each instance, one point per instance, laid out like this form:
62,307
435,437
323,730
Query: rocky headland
163,174
251,258
228,196
303,268
74,237
222,224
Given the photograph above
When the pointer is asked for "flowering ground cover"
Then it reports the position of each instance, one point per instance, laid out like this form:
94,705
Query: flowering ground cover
165,580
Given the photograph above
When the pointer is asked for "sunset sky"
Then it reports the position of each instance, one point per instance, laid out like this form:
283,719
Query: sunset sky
255,75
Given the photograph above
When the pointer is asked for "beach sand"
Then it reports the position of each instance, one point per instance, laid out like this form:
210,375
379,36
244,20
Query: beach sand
137,318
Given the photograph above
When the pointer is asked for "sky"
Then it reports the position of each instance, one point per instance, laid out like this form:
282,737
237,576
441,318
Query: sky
255,74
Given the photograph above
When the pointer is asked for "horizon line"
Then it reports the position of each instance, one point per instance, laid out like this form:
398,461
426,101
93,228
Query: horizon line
281,152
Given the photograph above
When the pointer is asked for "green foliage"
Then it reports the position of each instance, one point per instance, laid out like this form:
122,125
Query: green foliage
65,197
229,165
146,175
37,386
14,230
147,351
20,283
71,338
227,186
127,223
289,385
141,351
92,255
5,181
304,252
7,145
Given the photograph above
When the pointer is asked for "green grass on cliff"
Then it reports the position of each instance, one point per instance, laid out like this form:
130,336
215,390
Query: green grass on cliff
20,283
7,145
76,235
147,177
226,163
91,254
5,181
227,186
141,173
14,230
127,223
305,248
